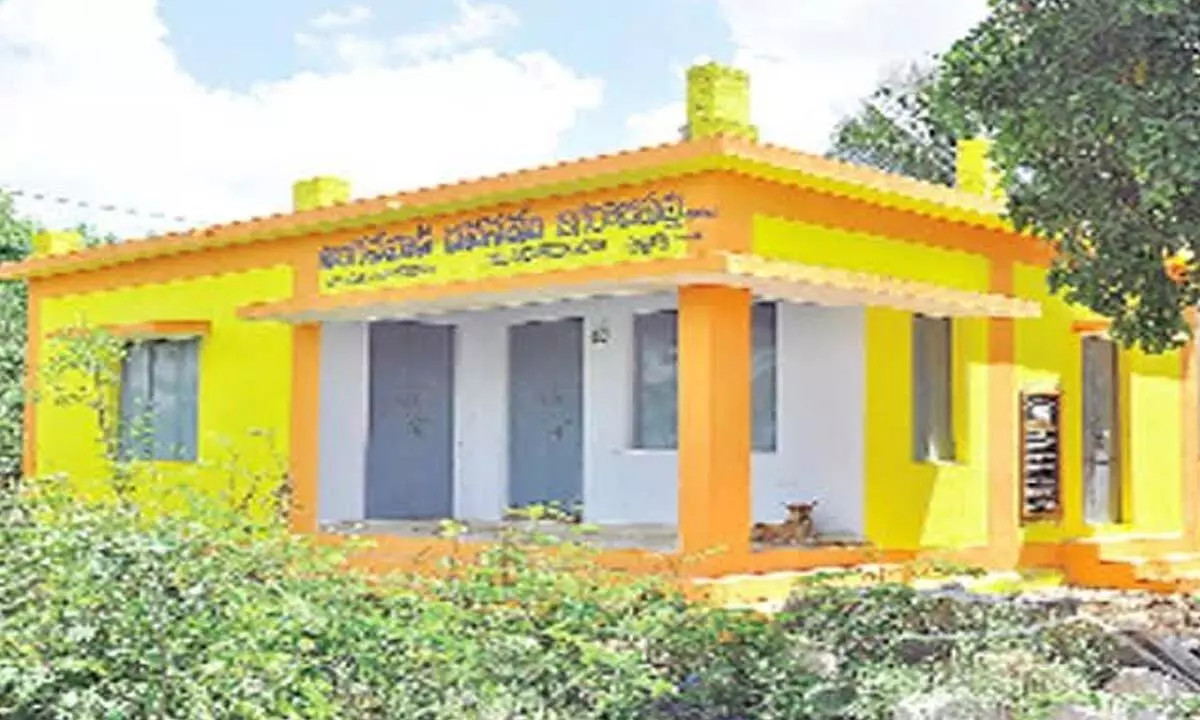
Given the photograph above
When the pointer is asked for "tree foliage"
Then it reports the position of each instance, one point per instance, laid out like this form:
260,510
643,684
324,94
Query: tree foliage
896,129
1094,109
15,237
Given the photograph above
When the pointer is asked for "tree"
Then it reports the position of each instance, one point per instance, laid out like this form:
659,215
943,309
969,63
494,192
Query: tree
15,237
1094,110
896,130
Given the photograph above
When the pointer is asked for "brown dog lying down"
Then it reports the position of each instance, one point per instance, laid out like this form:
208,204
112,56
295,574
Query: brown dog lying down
796,529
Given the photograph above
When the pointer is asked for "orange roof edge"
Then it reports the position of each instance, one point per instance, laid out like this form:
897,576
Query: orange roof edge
1088,327
640,159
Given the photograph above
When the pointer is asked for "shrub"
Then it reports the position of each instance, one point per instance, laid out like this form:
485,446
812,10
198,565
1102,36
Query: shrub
888,623
109,612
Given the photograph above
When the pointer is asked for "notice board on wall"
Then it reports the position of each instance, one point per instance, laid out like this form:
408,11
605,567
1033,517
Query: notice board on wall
1041,455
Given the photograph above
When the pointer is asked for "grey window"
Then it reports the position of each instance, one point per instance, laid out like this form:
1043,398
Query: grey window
656,379
763,377
933,382
159,398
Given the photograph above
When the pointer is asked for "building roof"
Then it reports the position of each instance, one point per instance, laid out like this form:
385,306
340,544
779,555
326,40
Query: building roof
686,157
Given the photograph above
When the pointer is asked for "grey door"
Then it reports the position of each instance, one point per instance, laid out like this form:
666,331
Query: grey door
410,452
545,413
1101,432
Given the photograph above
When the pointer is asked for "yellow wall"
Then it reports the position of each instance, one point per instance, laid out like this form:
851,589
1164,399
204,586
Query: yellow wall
908,504
1049,355
860,252
912,504
244,376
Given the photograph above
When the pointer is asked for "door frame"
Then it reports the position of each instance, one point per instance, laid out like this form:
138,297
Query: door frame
1118,459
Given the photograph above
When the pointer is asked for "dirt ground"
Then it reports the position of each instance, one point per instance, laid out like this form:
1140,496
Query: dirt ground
1168,616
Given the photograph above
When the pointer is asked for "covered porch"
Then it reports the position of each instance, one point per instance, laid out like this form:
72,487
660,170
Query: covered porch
616,390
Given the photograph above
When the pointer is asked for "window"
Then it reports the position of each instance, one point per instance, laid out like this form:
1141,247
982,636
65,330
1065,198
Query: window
763,377
656,379
159,391
933,381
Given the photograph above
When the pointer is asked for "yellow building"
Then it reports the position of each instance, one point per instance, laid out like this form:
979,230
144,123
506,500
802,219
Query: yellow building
681,338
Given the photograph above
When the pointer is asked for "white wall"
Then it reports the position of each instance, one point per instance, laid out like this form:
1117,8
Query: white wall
822,400
342,452
820,417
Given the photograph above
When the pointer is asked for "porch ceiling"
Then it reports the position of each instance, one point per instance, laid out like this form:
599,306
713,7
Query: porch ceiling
770,279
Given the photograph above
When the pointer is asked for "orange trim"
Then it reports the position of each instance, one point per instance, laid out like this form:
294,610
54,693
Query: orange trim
1004,534
576,278
714,419
161,329
786,280
865,176
1089,327
810,168
305,432
761,197
174,268
32,353
248,231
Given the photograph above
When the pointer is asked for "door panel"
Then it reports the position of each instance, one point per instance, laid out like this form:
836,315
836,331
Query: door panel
1101,432
546,412
410,450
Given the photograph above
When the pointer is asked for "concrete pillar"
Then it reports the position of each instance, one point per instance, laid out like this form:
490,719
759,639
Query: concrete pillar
714,419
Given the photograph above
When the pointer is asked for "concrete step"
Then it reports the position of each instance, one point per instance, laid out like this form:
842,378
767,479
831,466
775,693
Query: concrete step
1160,567
1132,544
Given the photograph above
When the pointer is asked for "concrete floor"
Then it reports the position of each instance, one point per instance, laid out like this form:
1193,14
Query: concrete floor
655,538
651,537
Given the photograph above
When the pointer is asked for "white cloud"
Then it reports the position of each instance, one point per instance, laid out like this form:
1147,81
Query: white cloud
349,17
812,61
97,107
475,23
659,125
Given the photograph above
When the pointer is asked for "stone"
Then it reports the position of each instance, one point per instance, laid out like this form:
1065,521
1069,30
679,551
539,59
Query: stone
1079,712
1083,712
946,705
1145,683
816,660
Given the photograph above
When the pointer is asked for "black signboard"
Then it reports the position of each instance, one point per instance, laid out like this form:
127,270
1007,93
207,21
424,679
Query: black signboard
1041,455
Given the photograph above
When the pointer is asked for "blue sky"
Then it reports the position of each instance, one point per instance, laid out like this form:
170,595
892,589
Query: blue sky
634,45
210,110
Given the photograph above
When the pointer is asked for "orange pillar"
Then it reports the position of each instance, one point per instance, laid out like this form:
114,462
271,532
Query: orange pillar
1004,529
714,419
306,385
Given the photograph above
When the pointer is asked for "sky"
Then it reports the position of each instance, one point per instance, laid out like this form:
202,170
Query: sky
190,112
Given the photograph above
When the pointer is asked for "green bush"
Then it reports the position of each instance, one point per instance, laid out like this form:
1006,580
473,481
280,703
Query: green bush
109,613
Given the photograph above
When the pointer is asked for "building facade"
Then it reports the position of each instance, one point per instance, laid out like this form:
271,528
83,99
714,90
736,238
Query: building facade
678,339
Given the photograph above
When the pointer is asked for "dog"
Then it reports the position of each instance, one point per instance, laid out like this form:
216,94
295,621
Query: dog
797,529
